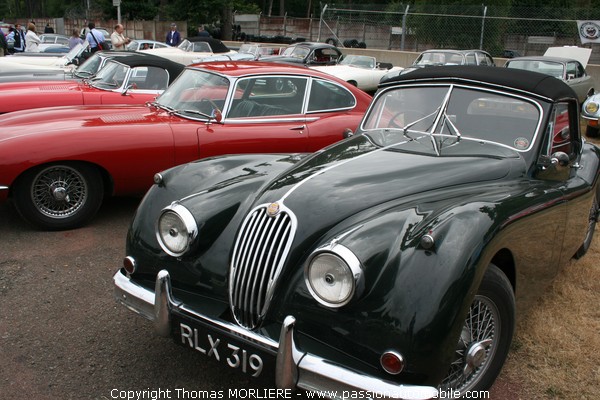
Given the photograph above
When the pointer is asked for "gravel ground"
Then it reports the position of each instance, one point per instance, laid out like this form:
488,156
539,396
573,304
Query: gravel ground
62,336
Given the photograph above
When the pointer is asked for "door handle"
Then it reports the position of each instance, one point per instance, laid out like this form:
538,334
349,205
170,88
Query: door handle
298,128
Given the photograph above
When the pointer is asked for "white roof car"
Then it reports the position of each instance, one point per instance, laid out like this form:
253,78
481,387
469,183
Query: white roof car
363,72
193,50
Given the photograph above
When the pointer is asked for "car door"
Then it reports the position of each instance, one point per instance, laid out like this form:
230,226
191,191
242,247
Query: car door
578,79
264,115
563,139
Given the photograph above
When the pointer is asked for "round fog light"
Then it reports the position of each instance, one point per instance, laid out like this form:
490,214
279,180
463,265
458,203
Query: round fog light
392,362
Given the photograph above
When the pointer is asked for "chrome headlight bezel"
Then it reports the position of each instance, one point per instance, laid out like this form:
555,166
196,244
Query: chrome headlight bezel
186,221
352,269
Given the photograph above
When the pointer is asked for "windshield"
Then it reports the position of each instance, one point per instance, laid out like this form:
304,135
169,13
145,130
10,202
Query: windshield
551,68
111,76
359,61
439,58
440,116
296,52
76,51
195,94
89,67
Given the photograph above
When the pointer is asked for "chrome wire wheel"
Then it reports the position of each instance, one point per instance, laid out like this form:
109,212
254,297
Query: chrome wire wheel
476,347
485,336
59,191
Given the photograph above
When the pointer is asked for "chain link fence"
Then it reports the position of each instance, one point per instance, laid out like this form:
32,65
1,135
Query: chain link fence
525,30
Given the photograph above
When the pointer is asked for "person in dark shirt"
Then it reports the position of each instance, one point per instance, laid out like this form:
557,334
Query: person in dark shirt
173,37
48,29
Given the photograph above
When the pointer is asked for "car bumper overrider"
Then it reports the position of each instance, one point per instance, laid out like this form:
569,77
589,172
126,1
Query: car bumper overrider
294,368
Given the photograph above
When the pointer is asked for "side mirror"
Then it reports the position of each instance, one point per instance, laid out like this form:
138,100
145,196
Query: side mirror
347,133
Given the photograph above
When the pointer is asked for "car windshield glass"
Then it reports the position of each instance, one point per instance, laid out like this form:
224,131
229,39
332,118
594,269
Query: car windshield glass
111,76
185,45
359,61
296,52
76,51
443,116
195,94
551,68
89,67
439,58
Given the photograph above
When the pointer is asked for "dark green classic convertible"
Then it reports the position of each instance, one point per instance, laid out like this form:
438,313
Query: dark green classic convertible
394,262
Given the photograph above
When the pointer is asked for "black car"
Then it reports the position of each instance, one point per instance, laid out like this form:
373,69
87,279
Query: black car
393,262
308,53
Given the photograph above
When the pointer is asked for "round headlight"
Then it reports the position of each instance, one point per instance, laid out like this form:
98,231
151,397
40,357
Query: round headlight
591,107
330,280
176,229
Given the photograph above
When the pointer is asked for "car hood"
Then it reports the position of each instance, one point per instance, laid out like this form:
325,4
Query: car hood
573,52
355,175
14,63
47,120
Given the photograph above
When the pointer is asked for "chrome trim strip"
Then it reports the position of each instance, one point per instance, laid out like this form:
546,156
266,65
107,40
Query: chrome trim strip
294,368
271,120
3,187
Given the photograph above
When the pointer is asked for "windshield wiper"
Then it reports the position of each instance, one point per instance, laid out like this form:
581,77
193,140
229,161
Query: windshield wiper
411,124
449,123
197,113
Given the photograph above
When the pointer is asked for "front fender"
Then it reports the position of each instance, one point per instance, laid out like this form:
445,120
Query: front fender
414,300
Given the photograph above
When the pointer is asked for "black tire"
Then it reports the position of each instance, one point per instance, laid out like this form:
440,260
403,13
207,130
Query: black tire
59,196
589,236
591,131
486,335
362,45
331,41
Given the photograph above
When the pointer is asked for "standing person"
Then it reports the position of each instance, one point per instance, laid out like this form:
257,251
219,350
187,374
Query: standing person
94,38
48,29
202,31
19,37
3,45
32,40
74,40
173,37
118,39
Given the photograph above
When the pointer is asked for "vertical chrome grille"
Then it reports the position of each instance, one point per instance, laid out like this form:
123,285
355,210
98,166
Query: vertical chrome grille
259,253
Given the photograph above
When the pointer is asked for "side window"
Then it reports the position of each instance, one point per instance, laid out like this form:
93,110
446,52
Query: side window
326,96
268,96
471,59
571,70
560,130
150,78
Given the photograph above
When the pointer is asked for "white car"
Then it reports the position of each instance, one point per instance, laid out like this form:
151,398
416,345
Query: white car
363,72
145,44
193,50
42,61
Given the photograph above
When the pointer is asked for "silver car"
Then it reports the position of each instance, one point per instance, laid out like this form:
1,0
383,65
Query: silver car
569,70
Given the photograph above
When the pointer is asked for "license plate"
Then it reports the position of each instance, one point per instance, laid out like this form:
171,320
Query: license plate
234,352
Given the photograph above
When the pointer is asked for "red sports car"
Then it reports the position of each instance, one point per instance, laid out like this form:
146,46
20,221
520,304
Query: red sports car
59,163
132,79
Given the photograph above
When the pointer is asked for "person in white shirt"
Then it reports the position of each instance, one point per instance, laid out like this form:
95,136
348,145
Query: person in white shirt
119,41
32,40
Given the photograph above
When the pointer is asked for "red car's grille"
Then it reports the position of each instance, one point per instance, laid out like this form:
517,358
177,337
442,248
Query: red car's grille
259,254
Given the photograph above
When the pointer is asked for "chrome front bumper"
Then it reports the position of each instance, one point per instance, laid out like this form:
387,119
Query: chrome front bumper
294,368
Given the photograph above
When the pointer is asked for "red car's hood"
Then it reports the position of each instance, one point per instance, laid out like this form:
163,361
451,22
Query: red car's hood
42,120
25,95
